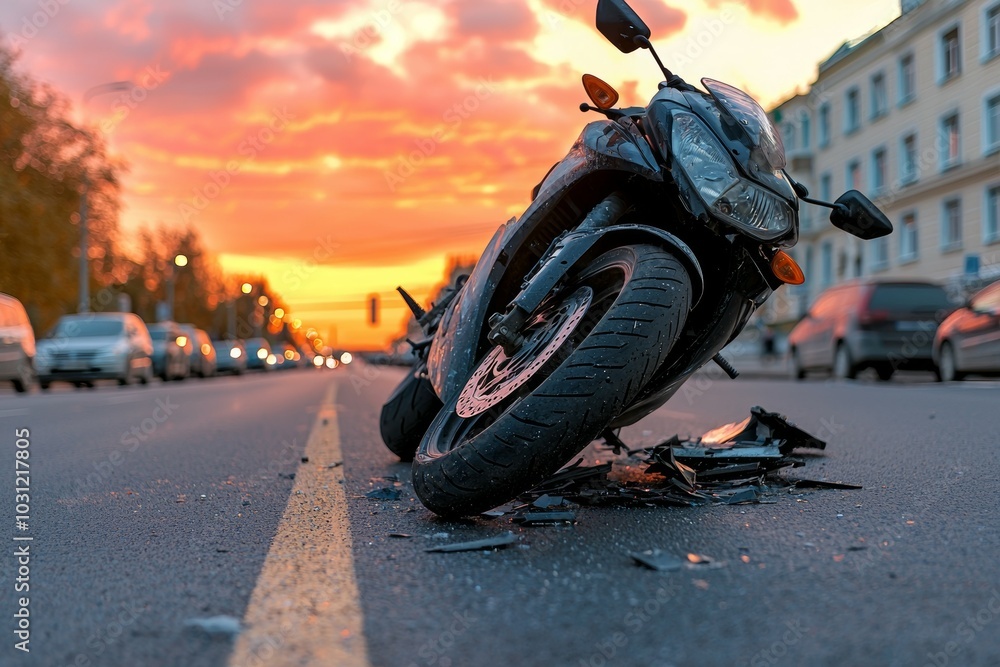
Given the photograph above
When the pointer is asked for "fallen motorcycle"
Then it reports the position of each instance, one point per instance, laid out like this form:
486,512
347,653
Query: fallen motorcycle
643,253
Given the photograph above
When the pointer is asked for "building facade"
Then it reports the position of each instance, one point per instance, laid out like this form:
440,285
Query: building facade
909,115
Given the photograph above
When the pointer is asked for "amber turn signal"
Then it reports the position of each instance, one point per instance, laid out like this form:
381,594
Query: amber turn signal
600,93
786,270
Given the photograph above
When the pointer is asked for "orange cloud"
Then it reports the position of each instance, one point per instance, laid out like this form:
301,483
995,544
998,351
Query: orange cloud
782,11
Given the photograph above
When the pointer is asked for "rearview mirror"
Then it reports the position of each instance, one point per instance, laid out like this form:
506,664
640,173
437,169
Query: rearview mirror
620,24
857,215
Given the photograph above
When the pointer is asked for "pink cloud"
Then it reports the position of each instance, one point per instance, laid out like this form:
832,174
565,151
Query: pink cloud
782,11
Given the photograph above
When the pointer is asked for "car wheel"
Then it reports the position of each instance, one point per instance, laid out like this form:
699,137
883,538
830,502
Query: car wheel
44,385
25,376
798,372
843,366
948,368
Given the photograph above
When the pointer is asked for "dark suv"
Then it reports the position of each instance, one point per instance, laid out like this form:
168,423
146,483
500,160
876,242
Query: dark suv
887,325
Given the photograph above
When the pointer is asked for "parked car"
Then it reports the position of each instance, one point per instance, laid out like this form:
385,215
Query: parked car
93,346
202,356
887,325
17,344
230,356
968,341
171,351
258,350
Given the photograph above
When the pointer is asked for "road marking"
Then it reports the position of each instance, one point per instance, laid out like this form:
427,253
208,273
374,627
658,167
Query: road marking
305,608
14,412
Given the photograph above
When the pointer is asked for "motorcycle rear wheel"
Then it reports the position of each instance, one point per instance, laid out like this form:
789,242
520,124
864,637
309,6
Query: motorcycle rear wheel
641,298
407,414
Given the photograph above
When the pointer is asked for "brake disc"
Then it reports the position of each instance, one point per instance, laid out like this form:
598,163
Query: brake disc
499,376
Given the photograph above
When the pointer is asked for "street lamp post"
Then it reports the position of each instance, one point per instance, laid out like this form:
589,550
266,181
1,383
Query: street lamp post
179,261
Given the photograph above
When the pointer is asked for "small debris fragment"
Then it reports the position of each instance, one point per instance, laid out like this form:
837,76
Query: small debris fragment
226,626
497,542
385,493
820,484
245,503
335,464
545,501
544,518
286,475
402,536
655,559
305,459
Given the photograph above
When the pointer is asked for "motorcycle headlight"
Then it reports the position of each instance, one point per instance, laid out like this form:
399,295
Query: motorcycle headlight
708,166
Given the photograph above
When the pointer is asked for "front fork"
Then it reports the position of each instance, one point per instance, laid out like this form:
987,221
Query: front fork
565,254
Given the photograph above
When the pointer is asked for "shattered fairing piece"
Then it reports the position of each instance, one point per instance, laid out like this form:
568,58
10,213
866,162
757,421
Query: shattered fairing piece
497,542
732,464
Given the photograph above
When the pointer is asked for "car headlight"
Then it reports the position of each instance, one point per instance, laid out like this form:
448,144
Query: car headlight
708,166
235,353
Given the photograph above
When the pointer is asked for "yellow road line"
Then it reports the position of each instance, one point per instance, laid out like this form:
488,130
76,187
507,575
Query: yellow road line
305,609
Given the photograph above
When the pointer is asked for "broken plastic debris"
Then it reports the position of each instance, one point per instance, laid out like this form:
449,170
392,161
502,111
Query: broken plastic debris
385,493
216,625
655,559
497,542
533,518
400,535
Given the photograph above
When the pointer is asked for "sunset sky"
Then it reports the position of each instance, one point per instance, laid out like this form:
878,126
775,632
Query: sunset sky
343,148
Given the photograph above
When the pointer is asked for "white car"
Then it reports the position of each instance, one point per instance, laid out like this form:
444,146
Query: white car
93,346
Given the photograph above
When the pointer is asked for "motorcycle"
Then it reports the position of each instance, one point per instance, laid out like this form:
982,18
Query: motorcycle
642,254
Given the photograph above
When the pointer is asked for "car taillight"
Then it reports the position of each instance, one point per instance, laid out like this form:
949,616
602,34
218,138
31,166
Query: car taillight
868,317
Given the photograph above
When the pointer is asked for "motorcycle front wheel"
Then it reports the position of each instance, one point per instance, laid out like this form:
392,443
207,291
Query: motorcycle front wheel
587,354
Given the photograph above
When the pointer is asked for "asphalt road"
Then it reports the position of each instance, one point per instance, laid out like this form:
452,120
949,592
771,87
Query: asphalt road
132,540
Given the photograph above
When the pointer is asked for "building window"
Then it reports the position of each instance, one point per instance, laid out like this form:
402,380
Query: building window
853,175
788,136
804,125
991,215
908,247
991,32
949,55
880,99
908,168
852,111
907,78
991,124
878,171
950,141
951,225
826,187
880,254
826,264
824,126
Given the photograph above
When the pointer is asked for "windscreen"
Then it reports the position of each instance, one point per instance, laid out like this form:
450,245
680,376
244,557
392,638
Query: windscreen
88,328
747,114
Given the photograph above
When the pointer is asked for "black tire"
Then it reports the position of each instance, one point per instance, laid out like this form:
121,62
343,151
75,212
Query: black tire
25,374
407,413
641,298
947,370
798,371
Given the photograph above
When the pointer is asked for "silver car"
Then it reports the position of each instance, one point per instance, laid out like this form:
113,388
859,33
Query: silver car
17,344
92,346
